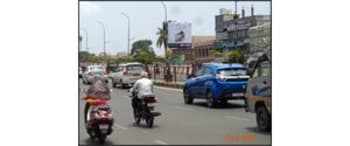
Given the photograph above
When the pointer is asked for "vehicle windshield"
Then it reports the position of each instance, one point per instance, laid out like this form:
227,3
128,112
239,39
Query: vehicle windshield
233,71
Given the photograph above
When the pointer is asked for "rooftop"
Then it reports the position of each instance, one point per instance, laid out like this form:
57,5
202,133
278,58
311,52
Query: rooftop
202,40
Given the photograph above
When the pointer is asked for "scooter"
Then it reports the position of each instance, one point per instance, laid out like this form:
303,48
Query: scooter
145,110
100,122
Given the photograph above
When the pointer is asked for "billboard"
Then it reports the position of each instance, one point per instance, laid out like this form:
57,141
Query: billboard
179,35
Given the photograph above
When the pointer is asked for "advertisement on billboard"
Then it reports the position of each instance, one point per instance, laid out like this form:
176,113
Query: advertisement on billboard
179,35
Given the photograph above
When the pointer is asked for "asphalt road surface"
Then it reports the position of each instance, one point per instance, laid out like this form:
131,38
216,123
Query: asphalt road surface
179,123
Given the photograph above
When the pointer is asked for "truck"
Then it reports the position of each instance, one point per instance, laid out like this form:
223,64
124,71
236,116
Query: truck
259,92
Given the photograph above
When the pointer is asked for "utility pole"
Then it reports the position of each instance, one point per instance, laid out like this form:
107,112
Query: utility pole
86,36
127,17
165,28
104,39
236,30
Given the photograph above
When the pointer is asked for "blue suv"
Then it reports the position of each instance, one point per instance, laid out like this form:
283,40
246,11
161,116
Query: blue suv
216,82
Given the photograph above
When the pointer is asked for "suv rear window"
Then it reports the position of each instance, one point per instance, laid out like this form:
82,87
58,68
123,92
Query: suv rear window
233,71
134,67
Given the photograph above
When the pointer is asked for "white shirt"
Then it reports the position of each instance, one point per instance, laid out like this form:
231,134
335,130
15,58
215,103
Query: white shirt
143,86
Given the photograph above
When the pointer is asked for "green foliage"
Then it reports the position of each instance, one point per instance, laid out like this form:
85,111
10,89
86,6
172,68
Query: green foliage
84,56
124,59
145,56
96,59
236,56
163,37
141,45
216,53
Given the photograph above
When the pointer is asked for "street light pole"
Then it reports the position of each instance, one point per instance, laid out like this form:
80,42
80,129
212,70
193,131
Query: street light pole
166,11
104,38
86,36
127,17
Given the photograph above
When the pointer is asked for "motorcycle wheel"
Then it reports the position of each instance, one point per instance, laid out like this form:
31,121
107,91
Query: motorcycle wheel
101,139
90,134
149,122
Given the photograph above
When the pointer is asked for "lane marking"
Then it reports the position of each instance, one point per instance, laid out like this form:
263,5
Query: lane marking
120,127
183,108
171,89
157,141
237,118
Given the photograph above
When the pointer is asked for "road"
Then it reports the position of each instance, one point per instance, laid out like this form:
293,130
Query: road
179,123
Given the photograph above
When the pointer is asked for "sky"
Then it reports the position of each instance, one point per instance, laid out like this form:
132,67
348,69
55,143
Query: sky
146,17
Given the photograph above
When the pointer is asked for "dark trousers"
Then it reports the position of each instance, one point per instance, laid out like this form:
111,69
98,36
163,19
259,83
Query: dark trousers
135,102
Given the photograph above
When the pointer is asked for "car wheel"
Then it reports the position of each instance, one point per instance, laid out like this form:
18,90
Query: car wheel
187,98
263,119
210,100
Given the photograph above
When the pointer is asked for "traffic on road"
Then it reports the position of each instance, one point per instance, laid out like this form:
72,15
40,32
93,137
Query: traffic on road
210,119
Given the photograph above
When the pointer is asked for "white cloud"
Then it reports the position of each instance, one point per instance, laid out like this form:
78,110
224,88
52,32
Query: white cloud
89,8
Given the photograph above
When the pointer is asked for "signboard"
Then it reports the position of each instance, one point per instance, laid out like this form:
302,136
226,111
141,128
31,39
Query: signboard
231,43
238,25
179,35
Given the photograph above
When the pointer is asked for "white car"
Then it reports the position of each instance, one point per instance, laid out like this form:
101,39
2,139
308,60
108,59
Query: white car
94,70
127,74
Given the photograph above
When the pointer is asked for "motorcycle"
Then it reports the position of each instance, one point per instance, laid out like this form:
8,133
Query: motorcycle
145,110
100,122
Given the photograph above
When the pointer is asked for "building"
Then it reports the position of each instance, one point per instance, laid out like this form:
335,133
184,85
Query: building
199,52
232,29
260,38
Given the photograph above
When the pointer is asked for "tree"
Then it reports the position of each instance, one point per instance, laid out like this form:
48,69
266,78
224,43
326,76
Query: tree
84,56
163,38
96,59
236,56
216,53
140,45
145,56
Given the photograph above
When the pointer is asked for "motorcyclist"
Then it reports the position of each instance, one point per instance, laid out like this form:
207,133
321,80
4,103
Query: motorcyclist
97,90
142,88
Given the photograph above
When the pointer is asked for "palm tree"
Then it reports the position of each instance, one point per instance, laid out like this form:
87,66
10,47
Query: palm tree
163,38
